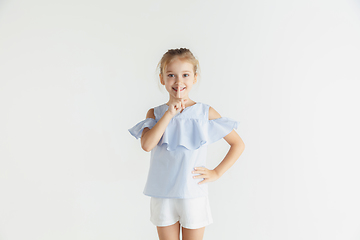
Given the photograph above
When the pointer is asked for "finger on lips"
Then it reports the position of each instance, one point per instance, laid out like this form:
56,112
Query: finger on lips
178,92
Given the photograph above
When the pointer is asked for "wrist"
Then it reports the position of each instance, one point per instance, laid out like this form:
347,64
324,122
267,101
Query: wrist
218,172
168,113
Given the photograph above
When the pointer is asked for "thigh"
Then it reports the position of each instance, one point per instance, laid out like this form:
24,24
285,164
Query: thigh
193,234
171,232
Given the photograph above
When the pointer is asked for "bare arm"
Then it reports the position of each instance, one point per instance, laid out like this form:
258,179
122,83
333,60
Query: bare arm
237,146
151,137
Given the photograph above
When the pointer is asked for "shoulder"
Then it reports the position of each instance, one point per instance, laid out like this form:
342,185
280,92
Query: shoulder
150,113
213,114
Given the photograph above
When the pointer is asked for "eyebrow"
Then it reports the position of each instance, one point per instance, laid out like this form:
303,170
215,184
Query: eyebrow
182,71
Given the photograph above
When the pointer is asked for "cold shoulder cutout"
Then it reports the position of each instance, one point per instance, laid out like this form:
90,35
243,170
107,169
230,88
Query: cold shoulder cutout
150,113
213,113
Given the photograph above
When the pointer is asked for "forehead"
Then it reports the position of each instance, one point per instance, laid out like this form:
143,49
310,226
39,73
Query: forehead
179,65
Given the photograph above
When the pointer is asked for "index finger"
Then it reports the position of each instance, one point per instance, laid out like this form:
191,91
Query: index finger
178,92
199,168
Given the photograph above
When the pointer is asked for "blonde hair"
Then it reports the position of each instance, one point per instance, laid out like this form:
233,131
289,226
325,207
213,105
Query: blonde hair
182,54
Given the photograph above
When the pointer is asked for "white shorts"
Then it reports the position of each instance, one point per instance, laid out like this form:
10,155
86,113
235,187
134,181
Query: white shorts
191,213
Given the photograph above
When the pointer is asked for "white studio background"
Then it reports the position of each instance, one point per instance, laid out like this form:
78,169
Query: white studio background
75,75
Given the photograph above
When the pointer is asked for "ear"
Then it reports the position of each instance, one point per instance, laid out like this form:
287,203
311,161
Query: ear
161,79
195,78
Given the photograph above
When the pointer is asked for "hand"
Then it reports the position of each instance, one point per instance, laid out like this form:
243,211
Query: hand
176,106
207,174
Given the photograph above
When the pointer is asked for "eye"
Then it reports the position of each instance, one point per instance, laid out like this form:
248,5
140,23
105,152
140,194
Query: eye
186,74
170,75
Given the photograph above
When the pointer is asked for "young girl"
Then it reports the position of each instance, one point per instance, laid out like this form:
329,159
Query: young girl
177,133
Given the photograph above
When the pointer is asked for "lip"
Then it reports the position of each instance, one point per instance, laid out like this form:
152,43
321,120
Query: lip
181,89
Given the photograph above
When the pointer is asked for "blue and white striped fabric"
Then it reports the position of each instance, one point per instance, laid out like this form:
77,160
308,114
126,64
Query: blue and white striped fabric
182,147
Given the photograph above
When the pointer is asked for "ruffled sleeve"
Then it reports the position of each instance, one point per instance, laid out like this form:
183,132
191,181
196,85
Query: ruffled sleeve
194,133
137,130
219,128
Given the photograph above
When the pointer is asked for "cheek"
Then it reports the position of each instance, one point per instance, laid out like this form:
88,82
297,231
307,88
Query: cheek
170,82
168,85
189,83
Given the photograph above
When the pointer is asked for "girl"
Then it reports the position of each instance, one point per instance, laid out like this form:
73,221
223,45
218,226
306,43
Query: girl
177,133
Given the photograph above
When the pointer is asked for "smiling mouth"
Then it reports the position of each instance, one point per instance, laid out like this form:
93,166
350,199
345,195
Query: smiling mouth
175,89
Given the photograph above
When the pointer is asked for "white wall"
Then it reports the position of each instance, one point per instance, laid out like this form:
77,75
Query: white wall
75,75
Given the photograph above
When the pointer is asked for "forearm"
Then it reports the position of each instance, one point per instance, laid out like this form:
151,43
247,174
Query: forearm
151,138
231,157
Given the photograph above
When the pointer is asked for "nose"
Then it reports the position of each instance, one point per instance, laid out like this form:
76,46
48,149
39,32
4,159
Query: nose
178,81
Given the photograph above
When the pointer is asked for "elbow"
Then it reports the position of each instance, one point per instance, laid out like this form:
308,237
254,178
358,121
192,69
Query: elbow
146,147
242,146
238,145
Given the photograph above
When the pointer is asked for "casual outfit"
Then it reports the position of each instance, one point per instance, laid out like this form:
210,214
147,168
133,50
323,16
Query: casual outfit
174,193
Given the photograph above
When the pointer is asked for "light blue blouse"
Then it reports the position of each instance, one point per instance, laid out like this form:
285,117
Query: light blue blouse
182,147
